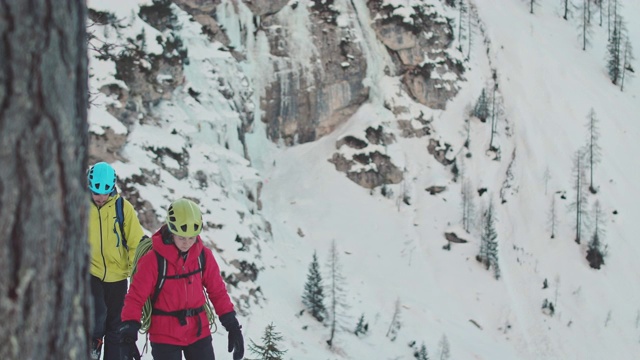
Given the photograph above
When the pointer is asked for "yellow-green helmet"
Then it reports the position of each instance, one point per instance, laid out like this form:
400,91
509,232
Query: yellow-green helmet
184,218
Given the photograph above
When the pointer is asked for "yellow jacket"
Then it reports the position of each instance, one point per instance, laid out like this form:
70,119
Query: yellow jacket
110,261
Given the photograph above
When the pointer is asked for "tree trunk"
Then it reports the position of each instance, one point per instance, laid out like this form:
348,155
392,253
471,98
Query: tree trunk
623,69
44,294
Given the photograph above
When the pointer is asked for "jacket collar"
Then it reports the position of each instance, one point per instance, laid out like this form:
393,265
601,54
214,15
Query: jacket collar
112,198
170,252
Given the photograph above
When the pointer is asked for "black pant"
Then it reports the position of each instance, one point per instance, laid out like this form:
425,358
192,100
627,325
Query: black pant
108,300
199,350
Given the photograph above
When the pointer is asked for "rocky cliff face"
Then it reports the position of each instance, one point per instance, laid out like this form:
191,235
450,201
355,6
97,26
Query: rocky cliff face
319,81
313,73
306,98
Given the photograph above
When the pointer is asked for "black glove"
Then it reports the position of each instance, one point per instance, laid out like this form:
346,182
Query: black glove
128,331
236,341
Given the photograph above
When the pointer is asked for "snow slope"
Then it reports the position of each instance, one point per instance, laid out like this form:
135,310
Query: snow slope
391,251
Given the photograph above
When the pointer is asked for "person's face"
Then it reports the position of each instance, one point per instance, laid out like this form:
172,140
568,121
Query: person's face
184,243
99,199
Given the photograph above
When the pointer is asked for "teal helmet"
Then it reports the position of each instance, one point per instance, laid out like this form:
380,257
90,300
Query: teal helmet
102,178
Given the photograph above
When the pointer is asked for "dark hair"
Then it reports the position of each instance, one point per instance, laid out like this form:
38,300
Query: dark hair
167,239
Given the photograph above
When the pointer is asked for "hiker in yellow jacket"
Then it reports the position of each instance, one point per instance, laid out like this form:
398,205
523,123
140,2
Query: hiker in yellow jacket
112,244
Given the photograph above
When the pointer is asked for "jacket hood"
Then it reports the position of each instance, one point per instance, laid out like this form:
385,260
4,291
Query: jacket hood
163,244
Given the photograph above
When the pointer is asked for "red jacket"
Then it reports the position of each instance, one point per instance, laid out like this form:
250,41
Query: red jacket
176,294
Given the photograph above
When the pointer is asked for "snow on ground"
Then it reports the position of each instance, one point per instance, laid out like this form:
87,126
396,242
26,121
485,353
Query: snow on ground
392,252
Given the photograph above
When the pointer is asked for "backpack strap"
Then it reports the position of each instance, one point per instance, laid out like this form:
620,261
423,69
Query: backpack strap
202,261
120,220
162,273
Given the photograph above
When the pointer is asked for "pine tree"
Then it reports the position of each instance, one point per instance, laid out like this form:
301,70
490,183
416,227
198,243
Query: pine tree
466,131
627,59
531,4
481,110
469,34
313,297
553,218
362,327
612,14
579,204
614,61
557,289
488,255
548,308
595,254
445,352
336,293
599,4
270,348
566,9
396,324
483,254
593,150
494,112
492,243
585,24
462,14
422,353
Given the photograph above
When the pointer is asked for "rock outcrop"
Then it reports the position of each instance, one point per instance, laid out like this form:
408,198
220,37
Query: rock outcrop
420,46
364,161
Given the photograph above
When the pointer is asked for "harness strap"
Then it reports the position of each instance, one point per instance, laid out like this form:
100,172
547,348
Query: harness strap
182,315
181,276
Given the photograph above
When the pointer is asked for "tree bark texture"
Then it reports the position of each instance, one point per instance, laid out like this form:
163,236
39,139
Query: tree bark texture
44,294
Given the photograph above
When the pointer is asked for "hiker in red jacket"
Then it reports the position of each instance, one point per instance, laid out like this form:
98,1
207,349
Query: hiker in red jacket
179,322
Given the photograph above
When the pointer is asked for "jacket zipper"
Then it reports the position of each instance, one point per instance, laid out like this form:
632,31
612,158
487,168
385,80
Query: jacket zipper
104,261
